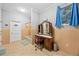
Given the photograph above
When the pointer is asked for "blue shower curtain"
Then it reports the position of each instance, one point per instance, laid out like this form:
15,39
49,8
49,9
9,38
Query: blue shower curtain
58,18
74,15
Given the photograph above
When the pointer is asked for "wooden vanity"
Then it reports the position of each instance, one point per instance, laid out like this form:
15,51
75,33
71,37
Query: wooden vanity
45,35
47,41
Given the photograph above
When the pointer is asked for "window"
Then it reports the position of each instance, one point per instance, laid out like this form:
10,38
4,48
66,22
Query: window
66,14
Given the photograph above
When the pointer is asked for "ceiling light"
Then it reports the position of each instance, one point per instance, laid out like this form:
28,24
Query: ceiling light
22,10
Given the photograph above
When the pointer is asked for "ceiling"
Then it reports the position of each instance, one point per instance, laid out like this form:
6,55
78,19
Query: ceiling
37,6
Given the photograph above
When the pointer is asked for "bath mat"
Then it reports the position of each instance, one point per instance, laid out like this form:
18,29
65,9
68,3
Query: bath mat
2,51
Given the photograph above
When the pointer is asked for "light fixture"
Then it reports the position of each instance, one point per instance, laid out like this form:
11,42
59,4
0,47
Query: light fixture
22,10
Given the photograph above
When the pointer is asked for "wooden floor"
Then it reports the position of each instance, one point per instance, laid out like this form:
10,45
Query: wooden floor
18,49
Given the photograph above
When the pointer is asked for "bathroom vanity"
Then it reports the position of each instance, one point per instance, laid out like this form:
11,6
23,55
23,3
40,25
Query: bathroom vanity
45,35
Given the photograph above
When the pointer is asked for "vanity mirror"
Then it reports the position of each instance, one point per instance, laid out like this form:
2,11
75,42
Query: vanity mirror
45,28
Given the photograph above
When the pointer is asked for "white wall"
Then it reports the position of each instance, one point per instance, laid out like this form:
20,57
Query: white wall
35,18
5,19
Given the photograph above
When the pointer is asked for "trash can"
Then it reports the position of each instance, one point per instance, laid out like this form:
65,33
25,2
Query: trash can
56,47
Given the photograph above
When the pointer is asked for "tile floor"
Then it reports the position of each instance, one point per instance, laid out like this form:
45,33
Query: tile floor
18,49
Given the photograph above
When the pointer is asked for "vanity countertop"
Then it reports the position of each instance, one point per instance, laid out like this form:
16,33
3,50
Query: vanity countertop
47,36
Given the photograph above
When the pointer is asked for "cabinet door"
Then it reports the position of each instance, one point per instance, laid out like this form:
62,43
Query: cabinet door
15,31
48,44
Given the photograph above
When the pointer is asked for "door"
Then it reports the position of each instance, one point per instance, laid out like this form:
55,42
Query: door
48,44
15,31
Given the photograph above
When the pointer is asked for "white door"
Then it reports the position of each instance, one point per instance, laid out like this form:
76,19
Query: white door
15,31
